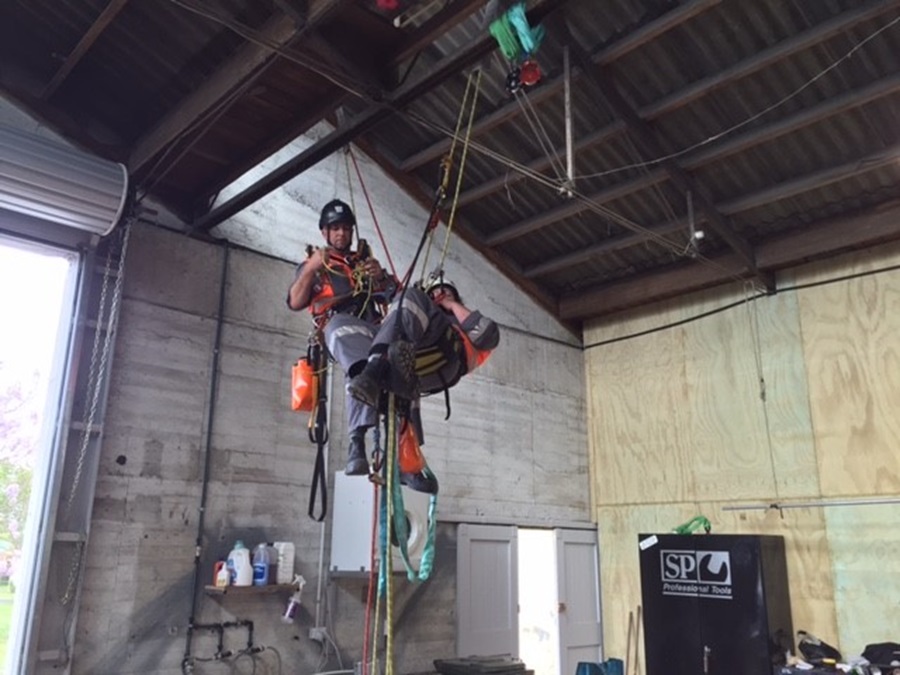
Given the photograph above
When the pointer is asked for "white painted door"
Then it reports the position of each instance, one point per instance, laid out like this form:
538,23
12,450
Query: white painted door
487,602
578,576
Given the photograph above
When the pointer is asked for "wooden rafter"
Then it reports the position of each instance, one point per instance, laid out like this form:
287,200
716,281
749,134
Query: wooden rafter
702,157
216,94
361,123
824,239
551,88
90,37
682,97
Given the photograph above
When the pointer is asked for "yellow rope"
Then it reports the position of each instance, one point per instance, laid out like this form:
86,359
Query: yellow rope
462,165
447,163
349,183
390,459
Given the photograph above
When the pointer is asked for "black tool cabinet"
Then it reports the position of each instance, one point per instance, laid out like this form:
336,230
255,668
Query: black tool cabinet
714,604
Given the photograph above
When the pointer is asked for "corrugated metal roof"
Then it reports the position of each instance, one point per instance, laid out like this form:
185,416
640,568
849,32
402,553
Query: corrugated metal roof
760,119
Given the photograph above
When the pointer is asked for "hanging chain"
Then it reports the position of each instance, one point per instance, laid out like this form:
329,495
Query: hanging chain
73,574
99,360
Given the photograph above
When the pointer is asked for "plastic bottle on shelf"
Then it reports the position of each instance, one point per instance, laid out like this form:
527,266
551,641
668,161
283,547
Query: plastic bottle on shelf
222,576
285,562
273,562
239,565
261,565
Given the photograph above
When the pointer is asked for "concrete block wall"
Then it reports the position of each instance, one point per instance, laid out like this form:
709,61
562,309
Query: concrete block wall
514,449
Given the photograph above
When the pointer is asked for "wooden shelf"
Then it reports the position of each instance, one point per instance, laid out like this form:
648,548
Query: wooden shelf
250,590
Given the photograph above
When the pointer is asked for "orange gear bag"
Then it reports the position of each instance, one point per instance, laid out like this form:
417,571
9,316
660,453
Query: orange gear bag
410,455
304,386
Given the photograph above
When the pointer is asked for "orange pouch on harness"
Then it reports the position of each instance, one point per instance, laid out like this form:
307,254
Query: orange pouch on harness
304,386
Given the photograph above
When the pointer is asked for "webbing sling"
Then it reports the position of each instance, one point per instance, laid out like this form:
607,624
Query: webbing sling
318,434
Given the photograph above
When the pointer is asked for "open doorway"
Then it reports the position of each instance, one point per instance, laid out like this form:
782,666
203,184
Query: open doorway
533,594
37,289
538,604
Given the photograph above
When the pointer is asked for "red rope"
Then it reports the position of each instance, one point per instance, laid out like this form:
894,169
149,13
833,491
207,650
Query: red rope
372,211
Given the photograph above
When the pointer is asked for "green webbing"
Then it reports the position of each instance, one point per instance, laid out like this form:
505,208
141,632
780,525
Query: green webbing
401,530
515,37
693,524
503,32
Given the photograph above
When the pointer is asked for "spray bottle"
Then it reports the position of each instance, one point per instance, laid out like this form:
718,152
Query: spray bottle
294,603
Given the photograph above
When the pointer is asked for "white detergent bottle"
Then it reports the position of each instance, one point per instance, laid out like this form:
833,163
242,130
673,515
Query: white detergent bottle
239,563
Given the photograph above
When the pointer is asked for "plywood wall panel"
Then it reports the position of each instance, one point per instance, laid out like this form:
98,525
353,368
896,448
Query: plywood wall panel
726,439
789,434
637,412
711,409
865,547
850,337
620,575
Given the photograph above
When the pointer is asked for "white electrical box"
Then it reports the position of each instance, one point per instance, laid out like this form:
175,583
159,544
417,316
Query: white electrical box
351,525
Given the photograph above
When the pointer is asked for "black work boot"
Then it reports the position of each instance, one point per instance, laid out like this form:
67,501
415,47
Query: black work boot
357,464
403,380
366,386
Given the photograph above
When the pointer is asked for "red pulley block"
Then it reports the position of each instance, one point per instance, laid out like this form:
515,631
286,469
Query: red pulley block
388,5
530,73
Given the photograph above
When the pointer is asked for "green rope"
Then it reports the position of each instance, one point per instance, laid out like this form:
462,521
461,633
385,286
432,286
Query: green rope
693,524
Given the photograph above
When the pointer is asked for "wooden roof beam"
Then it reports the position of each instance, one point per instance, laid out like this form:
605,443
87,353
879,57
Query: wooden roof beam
537,165
244,67
714,151
606,247
629,43
573,207
682,97
646,140
84,44
449,16
826,239
360,124
799,185
777,52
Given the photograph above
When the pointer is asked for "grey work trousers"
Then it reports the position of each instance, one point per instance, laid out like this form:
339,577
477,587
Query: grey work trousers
349,340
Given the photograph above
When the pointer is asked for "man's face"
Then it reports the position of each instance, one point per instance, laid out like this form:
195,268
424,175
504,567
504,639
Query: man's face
339,235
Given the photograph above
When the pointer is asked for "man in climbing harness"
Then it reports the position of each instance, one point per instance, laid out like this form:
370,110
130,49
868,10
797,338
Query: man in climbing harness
426,343
343,290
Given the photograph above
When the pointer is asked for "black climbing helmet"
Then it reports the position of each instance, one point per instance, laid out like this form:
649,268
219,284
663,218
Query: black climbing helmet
336,211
